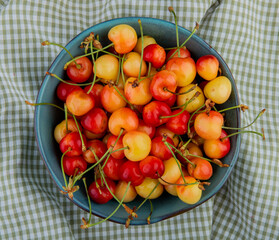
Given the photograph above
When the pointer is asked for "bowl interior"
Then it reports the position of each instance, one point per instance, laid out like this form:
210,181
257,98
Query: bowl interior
47,117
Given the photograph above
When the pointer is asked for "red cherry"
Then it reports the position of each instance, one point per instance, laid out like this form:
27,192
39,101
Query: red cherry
95,93
73,142
64,89
155,54
98,147
130,172
74,165
99,192
179,124
81,74
111,142
149,130
159,149
184,53
152,167
111,169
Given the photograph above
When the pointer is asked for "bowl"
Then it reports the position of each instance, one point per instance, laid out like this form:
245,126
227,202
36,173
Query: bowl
47,117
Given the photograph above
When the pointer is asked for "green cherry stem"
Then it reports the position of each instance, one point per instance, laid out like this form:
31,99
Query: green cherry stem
148,196
121,67
176,28
62,167
66,117
235,133
64,81
175,93
141,56
94,68
80,135
88,198
125,99
241,106
41,104
45,43
192,115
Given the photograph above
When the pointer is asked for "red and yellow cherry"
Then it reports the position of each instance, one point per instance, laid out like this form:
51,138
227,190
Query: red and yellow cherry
138,145
155,54
123,118
74,165
106,67
152,167
159,149
147,40
73,143
163,130
82,72
184,53
191,193
111,100
149,130
64,89
179,123
218,148
163,85
124,38
98,147
99,192
79,103
202,170
209,125
118,154
196,103
138,92
121,189
95,93
132,65
192,149
95,121
153,111
89,135
112,166
147,186
172,171
207,67
218,89
130,172
60,130
184,69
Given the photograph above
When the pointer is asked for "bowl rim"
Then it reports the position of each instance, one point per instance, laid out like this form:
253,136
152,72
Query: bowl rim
238,137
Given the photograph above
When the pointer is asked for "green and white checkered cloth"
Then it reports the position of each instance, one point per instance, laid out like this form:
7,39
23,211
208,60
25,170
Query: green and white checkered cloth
244,32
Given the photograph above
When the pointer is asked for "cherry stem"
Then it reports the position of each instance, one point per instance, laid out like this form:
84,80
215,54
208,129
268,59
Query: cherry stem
62,167
64,81
175,93
209,160
184,107
148,196
141,56
83,147
192,115
40,104
88,198
241,106
178,184
121,67
125,99
85,55
232,134
176,28
151,211
59,45
94,69
185,144
66,117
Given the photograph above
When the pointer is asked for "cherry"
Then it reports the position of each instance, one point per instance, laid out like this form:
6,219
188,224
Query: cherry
191,149
74,165
172,171
171,101
112,166
99,192
121,189
152,167
153,111
179,122
163,85
149,130
202,170
149,188
98,147
155,54
130,172
96,121
61,131
218,148
72,143
95,93
147,40
164,131
184,53
106,67
81,71
159,149
132,65
116,153
207,67
64,89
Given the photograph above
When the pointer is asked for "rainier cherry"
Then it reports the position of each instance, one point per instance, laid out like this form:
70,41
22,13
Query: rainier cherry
207,67
120,191
202,169
106,67
147,186
98,147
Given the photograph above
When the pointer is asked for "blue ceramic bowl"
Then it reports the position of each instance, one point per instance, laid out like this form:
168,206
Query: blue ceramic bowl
47,117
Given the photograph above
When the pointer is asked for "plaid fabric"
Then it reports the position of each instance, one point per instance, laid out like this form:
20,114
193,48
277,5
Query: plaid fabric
244,32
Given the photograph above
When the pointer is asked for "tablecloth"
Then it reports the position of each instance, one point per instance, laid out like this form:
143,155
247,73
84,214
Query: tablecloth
244,32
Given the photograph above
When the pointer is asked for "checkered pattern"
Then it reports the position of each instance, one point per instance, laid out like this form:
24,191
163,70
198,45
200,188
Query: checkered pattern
244,32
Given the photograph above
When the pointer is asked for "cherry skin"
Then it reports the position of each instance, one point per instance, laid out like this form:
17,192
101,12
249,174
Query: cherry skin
132,63
121,190
147,40
207,67
130,172
193,149
147,186
152,167
99,192
111,142
82,74
218,148
96,121
159,149
79,103
155,54
161,82
73,142
60,130
179,124
74,165
64,89
123,118
171,101
106,67
153,111
95,93
184,53
98,147
149,130
209,125
202,170
172,172
164,131
124,38
111,169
